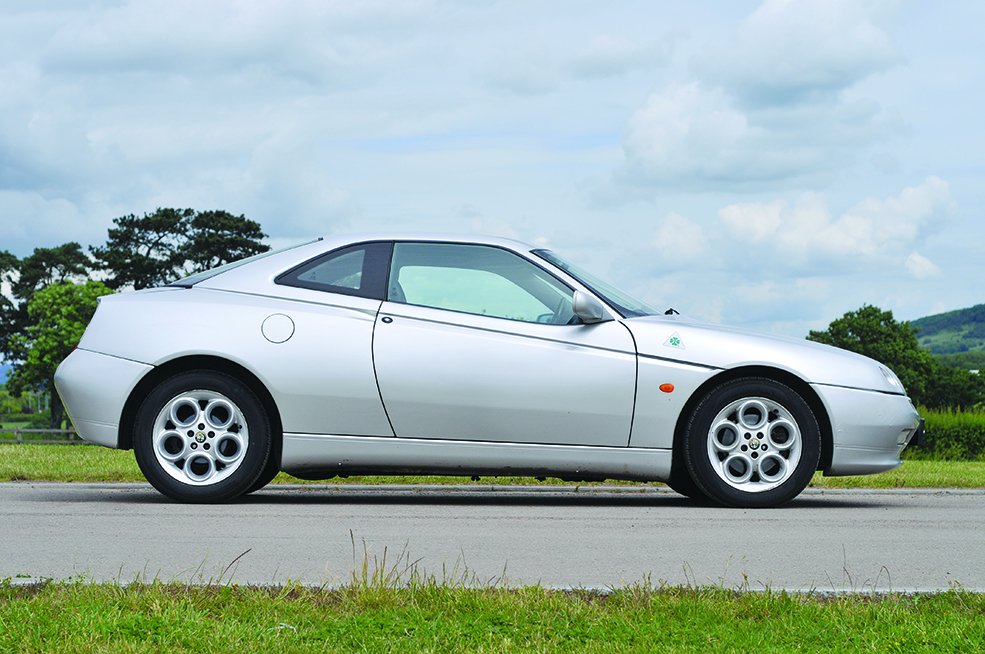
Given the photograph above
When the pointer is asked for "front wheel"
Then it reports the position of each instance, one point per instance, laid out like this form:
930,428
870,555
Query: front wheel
752,442
202,436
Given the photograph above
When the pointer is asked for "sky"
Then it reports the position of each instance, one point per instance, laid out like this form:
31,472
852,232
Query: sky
770,164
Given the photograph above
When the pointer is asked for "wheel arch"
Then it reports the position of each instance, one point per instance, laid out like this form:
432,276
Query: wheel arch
199,362
789,379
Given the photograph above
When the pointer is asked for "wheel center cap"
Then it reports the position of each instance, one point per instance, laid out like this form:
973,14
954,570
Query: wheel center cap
200,437
754,443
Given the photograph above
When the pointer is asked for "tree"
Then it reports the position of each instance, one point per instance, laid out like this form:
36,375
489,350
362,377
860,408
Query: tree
218,237
44,267
8,266
144,252
8,273
49,266
161,247
59,314
872,332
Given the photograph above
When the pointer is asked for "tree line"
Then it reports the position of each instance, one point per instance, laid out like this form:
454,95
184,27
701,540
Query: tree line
54,291
876,334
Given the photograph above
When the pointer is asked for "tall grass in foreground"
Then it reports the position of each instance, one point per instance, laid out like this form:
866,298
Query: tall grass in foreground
422,615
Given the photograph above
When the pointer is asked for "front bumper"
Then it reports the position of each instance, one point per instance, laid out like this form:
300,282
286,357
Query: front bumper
869,429
94,388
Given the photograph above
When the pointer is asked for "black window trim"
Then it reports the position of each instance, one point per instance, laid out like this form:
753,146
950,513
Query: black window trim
289,277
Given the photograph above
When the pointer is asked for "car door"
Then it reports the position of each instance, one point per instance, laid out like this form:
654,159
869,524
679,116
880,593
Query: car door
474,343
321,371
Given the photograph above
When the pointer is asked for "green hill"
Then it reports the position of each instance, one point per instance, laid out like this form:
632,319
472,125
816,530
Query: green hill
957,338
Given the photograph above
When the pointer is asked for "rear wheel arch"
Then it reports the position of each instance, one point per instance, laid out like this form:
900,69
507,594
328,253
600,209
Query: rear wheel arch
796,383
208,364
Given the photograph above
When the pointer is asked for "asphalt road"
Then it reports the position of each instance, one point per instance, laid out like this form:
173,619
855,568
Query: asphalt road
831,541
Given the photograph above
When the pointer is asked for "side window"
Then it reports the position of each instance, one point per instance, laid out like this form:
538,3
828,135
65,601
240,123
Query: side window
477,279
356,270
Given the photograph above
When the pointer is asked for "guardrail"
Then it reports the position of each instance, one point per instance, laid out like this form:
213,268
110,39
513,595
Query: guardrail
40,436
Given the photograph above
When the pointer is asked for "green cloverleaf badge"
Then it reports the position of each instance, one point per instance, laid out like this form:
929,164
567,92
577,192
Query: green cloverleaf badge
675,341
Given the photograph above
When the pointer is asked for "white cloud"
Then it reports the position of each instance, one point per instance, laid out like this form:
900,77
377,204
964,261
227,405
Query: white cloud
770,109
758,295
753,222
521,74
692,137
679,241
790,50
682,133
29,216
493,227
870,234
313,42
608,55
537,68
921,267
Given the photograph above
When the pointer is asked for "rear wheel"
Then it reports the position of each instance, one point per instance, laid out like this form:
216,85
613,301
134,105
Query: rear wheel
752,442
202,436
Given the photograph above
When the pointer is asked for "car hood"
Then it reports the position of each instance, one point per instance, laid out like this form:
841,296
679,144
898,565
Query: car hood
687,340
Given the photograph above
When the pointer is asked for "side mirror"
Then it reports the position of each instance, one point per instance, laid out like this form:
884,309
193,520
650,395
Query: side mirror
588,308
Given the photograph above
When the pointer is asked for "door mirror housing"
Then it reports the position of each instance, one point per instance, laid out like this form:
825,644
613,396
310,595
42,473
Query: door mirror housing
588,308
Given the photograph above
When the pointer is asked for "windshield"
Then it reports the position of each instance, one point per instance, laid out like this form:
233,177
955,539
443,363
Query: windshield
625,304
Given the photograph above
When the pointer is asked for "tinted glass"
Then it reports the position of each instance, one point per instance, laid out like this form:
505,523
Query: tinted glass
356,270
477,279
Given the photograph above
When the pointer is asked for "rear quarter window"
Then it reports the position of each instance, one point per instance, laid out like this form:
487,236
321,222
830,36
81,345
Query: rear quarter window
359,270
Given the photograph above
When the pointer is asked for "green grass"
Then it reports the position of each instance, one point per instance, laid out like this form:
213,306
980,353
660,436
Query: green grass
914,474
387,615
89,463
399,608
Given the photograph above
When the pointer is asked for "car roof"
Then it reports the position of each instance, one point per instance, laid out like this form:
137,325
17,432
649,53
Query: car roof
437,237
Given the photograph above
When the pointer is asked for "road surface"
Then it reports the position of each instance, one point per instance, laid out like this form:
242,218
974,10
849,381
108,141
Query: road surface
562,537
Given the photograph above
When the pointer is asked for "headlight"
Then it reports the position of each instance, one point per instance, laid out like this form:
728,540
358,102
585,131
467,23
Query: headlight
892,378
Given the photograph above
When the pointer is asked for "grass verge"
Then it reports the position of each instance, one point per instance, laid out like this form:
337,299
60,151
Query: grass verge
89,463
425,616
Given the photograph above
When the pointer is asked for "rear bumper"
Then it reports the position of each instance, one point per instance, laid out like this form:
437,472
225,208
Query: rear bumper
869,429
94,388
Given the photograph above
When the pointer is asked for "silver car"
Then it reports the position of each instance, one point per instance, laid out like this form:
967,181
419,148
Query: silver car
413,354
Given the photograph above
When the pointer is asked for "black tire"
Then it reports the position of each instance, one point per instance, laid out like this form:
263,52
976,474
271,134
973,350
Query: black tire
202,437
680,482
269,472
752,443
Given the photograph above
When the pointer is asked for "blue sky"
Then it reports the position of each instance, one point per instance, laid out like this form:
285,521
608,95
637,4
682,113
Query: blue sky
765,164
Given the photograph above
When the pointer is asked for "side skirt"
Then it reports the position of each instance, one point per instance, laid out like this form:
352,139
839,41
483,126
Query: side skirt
309,456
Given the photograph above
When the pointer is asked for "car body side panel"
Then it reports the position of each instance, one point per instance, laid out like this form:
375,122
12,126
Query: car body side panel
657,410
457,376
94,387
323,457
321,376
869,429
728,347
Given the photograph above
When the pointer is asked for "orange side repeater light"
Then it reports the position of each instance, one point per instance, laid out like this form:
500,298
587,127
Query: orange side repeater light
667,388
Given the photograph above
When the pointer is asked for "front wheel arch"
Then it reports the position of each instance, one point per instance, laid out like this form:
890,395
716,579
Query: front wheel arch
208,364
796,383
